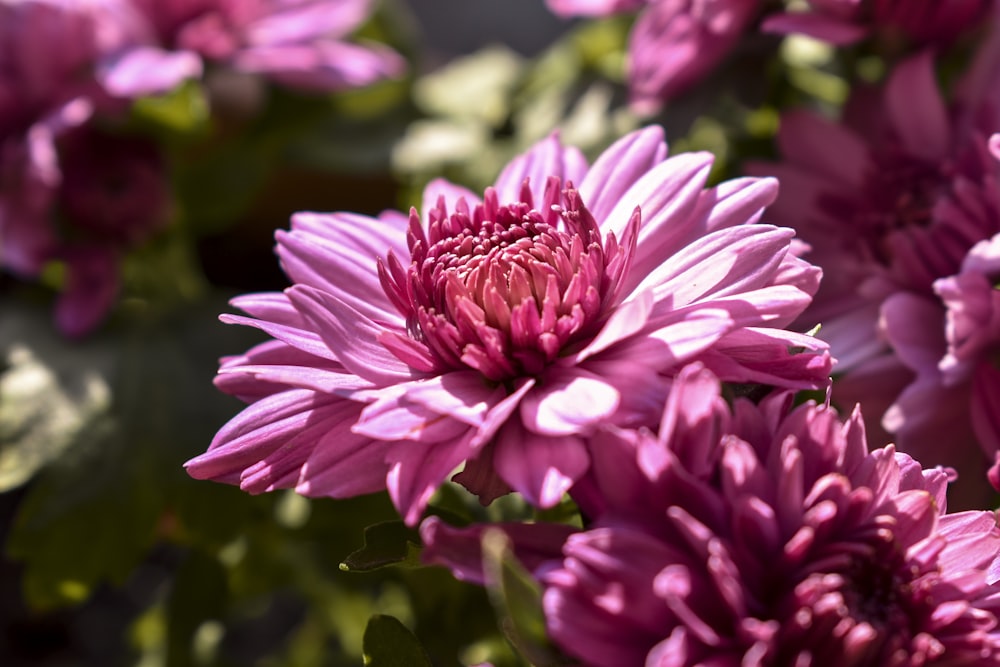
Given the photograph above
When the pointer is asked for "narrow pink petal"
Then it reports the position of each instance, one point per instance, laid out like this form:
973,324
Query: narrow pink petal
416,470
914,326
568,401
619,167
726,262
440,188
917,109
824,146
367,237
666,196
338,269
464,395
260,430
147,70
627,319
546,158
738,201
343,465
673,341
817,26
394,417
460,549
540,467
352,336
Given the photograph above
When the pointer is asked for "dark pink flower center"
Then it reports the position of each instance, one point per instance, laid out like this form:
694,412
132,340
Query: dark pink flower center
505,289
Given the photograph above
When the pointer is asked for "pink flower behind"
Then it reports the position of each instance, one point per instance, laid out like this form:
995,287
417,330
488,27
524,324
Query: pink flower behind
300,43
674,43
891,200
922,22
107,191
498,333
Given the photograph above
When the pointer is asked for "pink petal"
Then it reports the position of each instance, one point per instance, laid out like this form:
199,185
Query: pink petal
917,110
352,335
568,401
619,167
147,70
542,468
823,28
546,158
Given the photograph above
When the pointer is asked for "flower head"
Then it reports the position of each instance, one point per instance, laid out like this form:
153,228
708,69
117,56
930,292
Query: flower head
497,333
765,535
842,22
674,43
107,191
891,201
300,43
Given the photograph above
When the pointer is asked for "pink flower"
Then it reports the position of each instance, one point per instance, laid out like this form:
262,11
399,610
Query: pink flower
108,191
890,200
923,22
759,535
498,333
951,346
296,42
784,543
674,43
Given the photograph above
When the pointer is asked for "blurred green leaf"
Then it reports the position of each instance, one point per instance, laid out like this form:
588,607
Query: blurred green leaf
517,599
184,110
388,643
49,392
89,519
199,594
386,543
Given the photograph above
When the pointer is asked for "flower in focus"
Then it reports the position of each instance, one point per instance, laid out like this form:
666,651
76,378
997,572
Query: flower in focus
922,22
499,332
299,43
673,44
891,200
762,535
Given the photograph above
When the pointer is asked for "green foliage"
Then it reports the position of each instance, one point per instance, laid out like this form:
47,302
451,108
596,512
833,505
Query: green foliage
517,599
389,644
386,543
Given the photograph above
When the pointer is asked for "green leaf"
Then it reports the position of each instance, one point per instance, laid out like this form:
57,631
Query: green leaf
182,110
198,595
386,543
49,392
388,643
517,599
89,519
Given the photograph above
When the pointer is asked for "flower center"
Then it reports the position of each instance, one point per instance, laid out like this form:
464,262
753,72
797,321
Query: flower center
504,289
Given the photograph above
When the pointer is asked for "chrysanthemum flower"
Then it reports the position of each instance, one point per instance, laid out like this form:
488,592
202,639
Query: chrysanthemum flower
891,200
786,543
673,44
762,535
107,191
922,22
497,333
301,43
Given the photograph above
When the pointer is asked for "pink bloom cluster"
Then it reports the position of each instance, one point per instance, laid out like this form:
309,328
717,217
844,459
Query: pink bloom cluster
674,43
295,42
899,202
759,534
75,189
498,333
922,22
